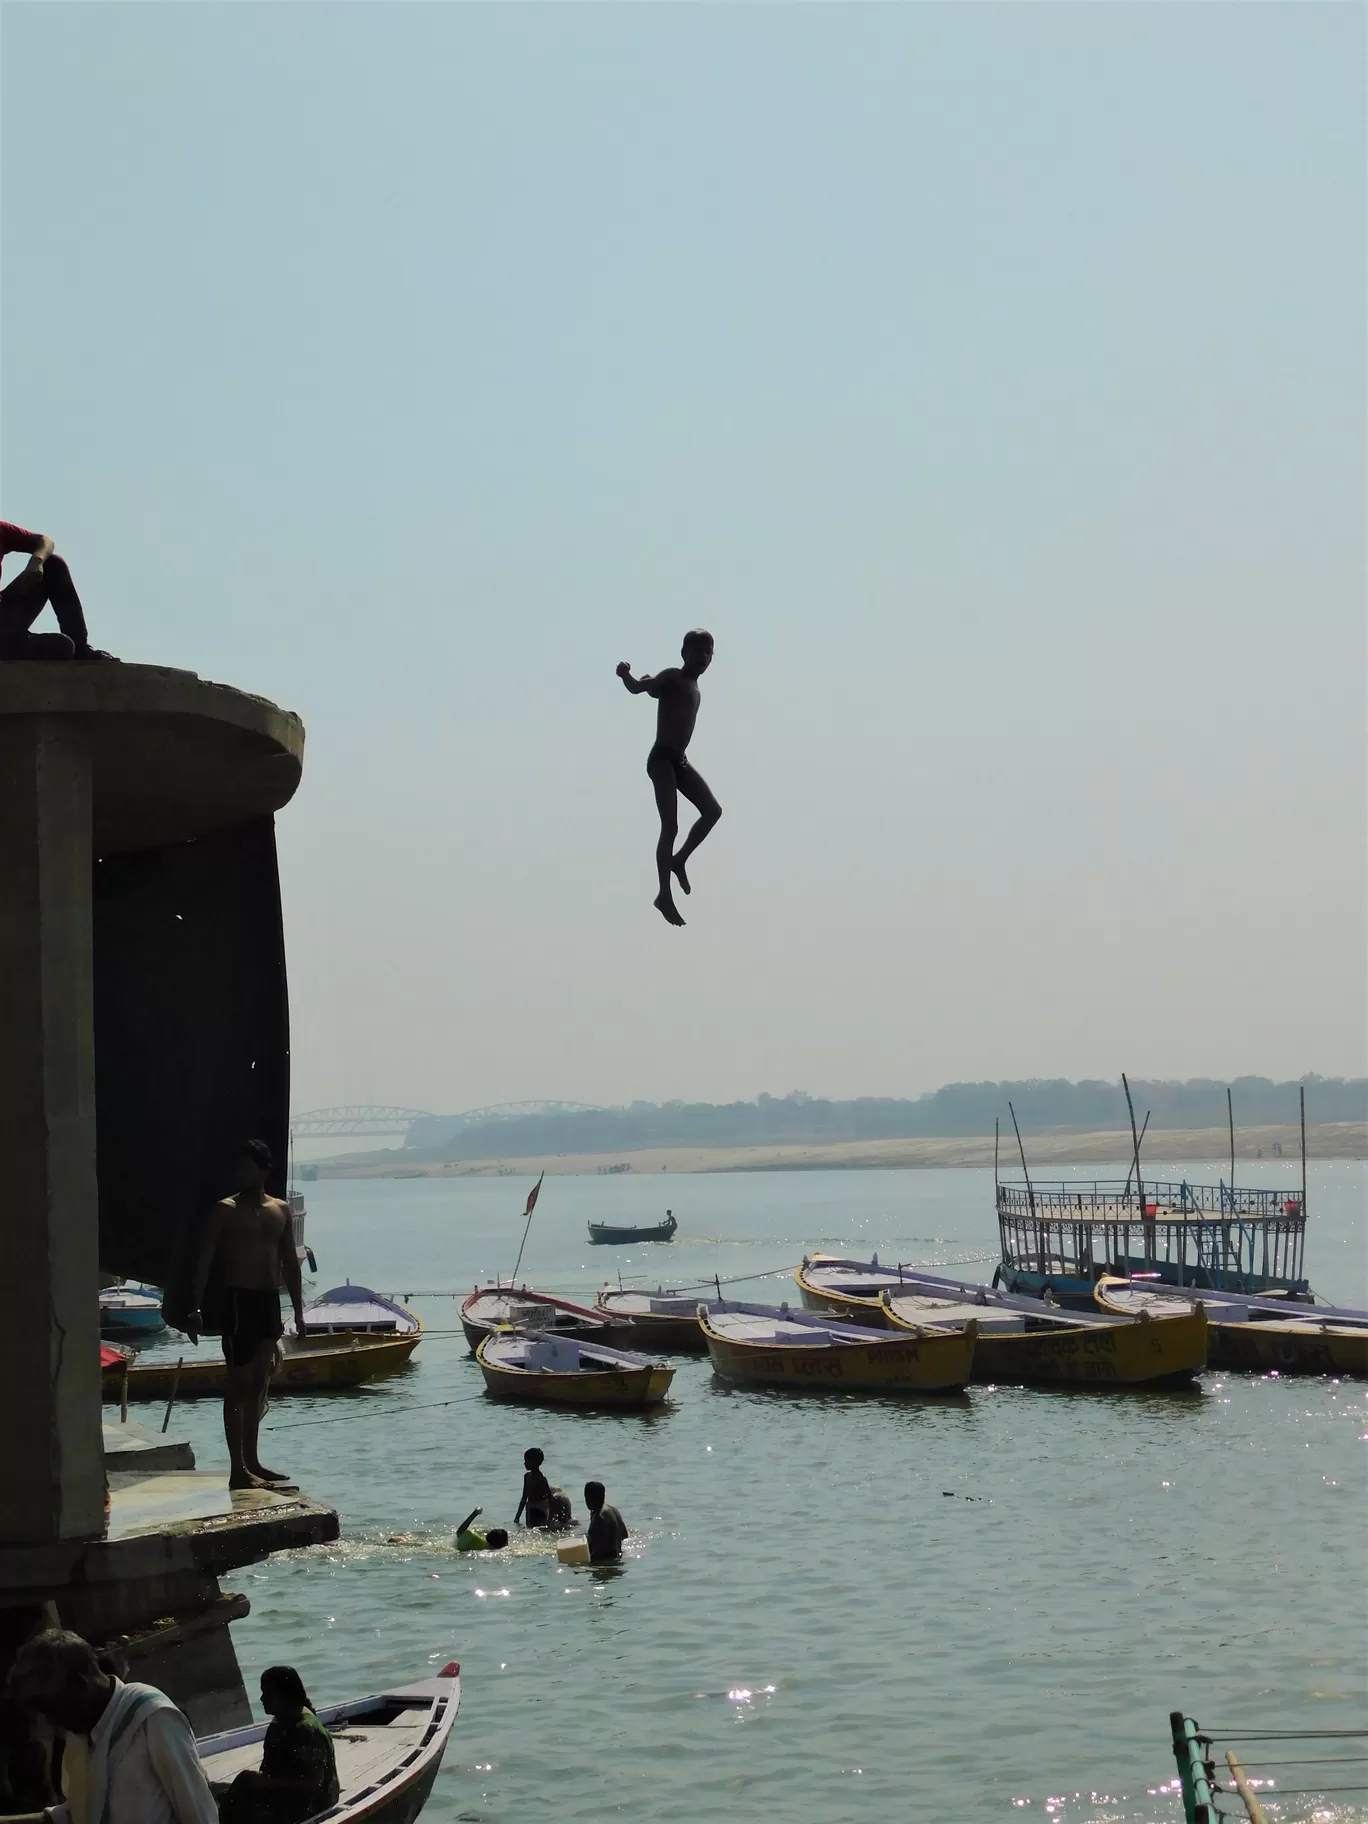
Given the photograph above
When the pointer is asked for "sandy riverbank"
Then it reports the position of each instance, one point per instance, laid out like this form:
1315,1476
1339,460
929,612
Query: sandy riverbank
1337,1140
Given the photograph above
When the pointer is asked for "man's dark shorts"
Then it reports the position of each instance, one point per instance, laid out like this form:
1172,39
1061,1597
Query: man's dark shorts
253,1319
662,755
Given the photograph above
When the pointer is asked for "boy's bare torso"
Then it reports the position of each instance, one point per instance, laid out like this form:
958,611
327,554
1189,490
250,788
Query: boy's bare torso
678,698
250,1235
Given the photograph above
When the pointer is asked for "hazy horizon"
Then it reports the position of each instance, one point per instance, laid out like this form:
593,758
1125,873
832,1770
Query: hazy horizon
989,379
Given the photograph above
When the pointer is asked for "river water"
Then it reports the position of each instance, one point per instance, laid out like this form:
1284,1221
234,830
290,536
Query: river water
832,1608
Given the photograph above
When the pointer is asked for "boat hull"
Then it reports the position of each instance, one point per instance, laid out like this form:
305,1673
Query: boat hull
326,1368
673,1335
627,1388
1164,1352
602,1236
1284,1348
922,1364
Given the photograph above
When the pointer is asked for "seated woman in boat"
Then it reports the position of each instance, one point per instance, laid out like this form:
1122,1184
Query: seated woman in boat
470,1539
298,1776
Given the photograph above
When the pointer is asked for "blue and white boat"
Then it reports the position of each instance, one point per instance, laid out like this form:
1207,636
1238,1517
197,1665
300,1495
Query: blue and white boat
131,1312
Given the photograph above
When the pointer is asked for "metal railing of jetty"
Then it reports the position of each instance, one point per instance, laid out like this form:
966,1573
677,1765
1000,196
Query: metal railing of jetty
1207,1234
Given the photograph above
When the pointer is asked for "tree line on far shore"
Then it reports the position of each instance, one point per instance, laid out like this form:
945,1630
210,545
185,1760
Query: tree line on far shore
956,1111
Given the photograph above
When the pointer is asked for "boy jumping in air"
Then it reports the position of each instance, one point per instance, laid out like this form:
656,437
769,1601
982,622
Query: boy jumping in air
667,766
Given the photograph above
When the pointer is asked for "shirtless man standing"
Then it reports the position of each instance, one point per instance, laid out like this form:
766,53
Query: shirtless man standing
667,766
253,1238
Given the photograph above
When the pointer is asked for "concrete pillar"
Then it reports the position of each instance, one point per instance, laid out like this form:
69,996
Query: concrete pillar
53,1483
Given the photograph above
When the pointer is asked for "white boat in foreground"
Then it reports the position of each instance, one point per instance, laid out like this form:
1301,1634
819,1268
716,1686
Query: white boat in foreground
388,1750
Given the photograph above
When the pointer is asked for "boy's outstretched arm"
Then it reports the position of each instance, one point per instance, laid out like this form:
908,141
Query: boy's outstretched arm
637,685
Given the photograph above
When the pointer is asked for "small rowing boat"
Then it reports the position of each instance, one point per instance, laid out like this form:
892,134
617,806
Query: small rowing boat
357,1311
490,1308
772,1346
1263,1335
131,1313
850,1288
308,1364
660,1319
542,1370
606,1234
1025,1342
387,1748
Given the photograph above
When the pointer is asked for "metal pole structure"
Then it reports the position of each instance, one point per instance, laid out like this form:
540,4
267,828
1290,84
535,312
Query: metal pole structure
1230,1117
1302,1093
1135,1142
531,1205
1030,1194
1144,1129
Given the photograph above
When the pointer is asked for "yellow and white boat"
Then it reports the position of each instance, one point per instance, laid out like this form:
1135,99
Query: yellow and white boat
1261,1335
1050,1348
541,1370
352,1336
772,1346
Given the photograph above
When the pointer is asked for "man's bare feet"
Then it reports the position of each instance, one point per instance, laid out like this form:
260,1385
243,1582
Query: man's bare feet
667,909
246,1480
270,1475
677,869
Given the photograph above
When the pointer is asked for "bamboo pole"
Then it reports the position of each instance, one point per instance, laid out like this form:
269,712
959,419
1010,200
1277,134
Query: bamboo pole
1135,1141
123,1396
1256,1812
175,1389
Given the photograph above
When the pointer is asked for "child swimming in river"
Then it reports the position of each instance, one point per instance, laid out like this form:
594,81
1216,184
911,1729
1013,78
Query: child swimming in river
470,1539
542,1504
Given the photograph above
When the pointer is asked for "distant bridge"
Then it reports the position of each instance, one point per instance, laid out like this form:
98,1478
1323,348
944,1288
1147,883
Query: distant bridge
371,1118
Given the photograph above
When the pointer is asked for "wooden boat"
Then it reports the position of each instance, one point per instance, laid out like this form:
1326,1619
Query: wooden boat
388,1749
772,1346
1264,1335
130,1312
357,1311
605,1234
542,1370
308,1364
1023,1341
660,1320
490,1308
850,1288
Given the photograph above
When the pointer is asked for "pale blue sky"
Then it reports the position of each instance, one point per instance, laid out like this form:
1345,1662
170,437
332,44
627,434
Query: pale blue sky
989,378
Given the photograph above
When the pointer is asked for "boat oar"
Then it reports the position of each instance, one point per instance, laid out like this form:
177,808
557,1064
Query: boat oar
175,1389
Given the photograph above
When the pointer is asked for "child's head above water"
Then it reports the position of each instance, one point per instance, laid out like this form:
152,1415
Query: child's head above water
534,1458
496,1538
594,1496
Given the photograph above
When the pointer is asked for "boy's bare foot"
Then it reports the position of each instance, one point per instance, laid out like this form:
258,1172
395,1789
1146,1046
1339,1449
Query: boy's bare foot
667,909
677,869
247,1480
270,1475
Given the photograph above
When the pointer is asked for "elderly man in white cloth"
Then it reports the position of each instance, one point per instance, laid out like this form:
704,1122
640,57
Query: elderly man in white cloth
128,1754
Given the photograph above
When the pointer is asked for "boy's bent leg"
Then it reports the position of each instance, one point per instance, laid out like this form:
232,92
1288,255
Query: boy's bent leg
662,776
695,788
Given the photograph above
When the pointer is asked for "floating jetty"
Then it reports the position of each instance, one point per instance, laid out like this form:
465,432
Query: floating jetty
1060,1239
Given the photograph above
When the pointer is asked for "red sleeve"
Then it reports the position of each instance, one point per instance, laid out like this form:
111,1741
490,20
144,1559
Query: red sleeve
15,538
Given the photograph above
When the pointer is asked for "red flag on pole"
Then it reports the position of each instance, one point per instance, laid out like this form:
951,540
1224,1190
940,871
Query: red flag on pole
532,1196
